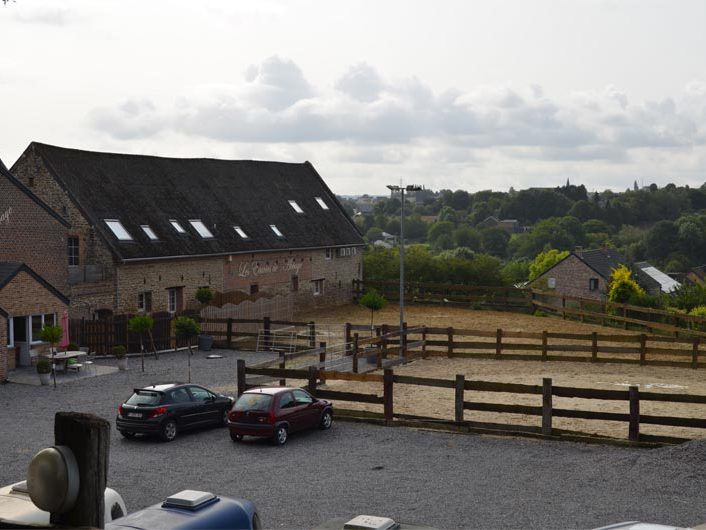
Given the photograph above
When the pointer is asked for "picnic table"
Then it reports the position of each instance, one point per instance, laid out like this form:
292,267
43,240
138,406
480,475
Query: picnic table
61,359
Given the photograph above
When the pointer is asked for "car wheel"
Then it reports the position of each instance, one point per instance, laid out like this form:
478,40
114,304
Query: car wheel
326,420
236,437
127,434
224,418
280,437
169,430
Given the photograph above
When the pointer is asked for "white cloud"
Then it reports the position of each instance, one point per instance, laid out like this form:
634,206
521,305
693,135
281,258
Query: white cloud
132,118
43,14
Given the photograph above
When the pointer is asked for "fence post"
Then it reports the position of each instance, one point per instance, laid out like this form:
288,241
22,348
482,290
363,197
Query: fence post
240,375
563,308
594,347
322,360
355,353
424,343
544,345
403,340
460,384
450,342
387,395
634,428
498,343
312,334
83,334
229,332
348,339
695,354
311,385
282,362
625,316
88,437
643,340
266,332
581,319
547,406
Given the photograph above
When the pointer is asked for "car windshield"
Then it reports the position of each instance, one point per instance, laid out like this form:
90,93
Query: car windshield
253,402
144,397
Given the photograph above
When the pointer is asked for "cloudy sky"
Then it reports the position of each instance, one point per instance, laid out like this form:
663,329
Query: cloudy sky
449,94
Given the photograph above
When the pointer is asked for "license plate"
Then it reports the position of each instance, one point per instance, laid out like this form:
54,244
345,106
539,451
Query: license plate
134,415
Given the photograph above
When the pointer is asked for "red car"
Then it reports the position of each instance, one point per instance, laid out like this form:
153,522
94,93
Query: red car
276,412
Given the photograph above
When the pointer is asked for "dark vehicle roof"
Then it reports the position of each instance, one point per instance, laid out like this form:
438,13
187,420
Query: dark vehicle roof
163,387
271,390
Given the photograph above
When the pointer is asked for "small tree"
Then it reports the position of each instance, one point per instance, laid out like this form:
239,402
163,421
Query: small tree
374,301
187,328
52,335
204,295
141,324
623,288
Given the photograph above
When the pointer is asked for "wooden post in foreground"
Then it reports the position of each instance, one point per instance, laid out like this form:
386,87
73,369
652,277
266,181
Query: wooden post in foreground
311,386
88,437
282,366
240,375
322,359
546,406
387,395
355,353
458,409
634,428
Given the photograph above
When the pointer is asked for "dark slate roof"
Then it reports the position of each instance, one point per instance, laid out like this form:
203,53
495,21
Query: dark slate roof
149,190
4,172
602,260
10,269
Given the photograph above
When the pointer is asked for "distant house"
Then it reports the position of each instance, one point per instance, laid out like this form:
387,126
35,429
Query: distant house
586,274
667,283
511,226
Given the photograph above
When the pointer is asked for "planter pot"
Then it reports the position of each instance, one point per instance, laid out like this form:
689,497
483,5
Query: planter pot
45,379
205,342
122,364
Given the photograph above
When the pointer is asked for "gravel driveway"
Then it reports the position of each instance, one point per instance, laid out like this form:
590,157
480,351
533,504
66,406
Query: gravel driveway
446,480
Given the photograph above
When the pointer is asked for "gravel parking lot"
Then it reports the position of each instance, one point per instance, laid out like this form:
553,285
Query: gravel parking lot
446,480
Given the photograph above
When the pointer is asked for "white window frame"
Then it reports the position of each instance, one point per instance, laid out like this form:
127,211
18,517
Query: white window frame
118,230
321,203
147,229
201,228
172,300
296,207
240,232
276,230
551,283
31,335
328,253
318,286
177,226
141,301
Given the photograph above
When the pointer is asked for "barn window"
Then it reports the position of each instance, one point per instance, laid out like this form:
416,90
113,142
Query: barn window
149,232
177,226
73,251
551,283
318,287
144,301
296,207
118,229
328,253
276,231
295,283
175,299
240,232
593,284
198,225
321,202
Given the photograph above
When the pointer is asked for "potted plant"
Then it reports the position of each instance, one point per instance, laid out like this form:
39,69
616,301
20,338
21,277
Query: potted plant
186,328
204,295
72,346
44,371
120,353
141,324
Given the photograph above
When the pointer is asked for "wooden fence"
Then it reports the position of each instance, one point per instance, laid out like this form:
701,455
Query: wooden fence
464,402
501,344
246,331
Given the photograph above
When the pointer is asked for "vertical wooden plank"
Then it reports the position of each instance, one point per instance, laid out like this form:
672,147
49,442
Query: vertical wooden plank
450,343
625,316
312,334
387,395
348,337
563,308
634,427
266,333
282,362
547,406
458,409
322,359
355,353
544,345
311,384
581,310
424,344
498,343
229,333
240,375
594,347
695,354
88,437
403,340
643,341
381,351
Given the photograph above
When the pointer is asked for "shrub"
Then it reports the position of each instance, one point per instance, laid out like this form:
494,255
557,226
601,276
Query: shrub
43,366
204,295
623,289
72,346
119,351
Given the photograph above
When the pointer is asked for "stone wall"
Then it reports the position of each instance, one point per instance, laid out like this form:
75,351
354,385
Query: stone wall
571,278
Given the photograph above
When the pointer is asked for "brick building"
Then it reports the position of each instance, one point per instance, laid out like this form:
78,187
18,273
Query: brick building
27,303
143,233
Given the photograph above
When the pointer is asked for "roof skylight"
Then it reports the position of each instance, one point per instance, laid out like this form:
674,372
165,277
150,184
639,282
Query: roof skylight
118,229
198,225
296,207
276,231
177,226
321,202
241,232
150,233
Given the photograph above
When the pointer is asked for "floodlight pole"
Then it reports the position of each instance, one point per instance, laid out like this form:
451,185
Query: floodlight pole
393,188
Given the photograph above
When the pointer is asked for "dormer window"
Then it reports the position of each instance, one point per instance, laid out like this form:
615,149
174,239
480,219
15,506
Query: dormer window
175,224
296,207
118,230
198,225
149,232
321,202
240,232
276,231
